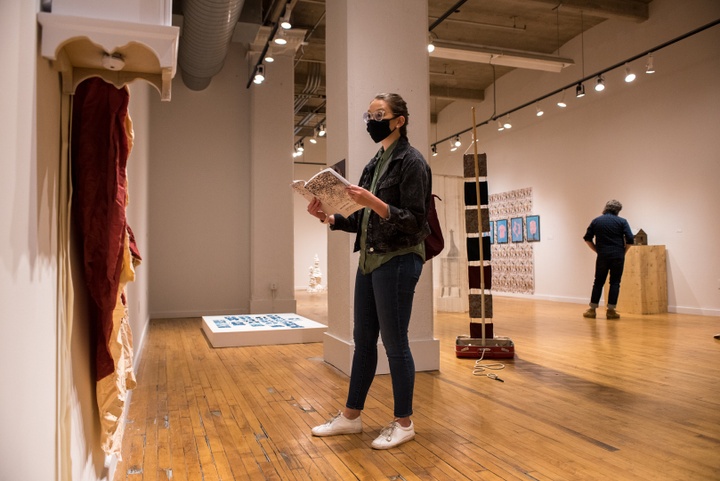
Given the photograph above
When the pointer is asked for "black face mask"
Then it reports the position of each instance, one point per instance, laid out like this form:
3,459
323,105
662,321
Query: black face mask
379,129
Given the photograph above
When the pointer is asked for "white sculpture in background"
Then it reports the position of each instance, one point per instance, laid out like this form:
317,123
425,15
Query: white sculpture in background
315,284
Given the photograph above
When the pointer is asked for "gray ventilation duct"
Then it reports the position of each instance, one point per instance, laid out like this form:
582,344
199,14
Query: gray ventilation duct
207,30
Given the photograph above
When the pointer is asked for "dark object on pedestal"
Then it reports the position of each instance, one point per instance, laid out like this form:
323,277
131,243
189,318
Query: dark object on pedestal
640,238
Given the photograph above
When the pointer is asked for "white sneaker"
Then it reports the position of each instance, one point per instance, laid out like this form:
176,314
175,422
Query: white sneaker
339,424
393,435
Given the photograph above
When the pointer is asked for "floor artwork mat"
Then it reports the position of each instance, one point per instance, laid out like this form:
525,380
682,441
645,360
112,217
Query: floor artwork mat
261,329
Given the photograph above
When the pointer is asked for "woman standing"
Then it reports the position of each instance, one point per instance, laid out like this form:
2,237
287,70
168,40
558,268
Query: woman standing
395,189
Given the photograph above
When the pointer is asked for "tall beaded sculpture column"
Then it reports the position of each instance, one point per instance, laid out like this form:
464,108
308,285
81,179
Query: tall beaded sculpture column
478,245
482,342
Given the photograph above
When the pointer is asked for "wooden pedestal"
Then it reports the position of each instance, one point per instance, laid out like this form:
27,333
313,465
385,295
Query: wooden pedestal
643,289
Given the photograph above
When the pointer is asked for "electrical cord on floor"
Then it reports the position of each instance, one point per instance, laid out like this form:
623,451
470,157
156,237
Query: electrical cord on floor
480,368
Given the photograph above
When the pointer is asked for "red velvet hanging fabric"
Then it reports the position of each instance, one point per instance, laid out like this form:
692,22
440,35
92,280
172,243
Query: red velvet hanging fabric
102,137
99,160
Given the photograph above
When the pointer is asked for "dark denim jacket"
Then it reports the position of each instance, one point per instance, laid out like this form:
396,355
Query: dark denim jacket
405,186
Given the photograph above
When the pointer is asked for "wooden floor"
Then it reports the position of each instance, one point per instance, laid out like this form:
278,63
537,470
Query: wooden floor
634,399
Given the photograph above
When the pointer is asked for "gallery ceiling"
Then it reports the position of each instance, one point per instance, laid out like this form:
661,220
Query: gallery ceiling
467,33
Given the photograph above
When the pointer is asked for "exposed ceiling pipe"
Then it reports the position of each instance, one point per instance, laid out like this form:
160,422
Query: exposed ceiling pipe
312,84
207,30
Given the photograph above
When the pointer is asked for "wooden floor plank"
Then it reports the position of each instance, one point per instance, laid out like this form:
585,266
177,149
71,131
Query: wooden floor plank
637,398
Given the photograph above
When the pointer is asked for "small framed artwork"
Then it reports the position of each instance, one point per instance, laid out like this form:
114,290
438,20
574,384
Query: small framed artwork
492,231
516,229
502,231
532,226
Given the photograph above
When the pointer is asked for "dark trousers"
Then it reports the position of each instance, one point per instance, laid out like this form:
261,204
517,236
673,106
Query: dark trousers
603,266
383,303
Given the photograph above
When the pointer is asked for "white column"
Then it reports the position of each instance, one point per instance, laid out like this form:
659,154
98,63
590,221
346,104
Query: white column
373,46
272,283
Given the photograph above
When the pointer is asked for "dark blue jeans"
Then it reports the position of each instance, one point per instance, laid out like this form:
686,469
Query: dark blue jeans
383,303
602,267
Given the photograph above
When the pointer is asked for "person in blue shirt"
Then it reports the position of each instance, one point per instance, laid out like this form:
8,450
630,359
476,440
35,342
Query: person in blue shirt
610,237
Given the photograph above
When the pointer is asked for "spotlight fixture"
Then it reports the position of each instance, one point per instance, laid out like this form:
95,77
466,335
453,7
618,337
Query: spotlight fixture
259,74
430,45
561,103
456,141
629,75
280,38
433,148
507,124
539,111
501,127
300,146
321,130
600,84
269,58
649,67
580,90
313,139
285,20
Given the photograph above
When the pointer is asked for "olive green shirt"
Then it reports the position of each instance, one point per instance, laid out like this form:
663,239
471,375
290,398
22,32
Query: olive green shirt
368,261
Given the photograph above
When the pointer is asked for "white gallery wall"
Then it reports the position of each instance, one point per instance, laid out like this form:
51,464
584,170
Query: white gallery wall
199,196
29,139
142,96
310,234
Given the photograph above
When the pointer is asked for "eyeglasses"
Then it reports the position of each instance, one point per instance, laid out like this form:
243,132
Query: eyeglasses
377,116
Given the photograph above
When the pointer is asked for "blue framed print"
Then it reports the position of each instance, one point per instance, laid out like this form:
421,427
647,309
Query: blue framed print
502,231
532,228
492,231
516,229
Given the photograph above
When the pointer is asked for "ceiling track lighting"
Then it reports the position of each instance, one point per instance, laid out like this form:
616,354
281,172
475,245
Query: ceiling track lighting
455,143
321,130
259,74
580,90
285,20
579,86
629,75
561,103
433,148
539,111
600,84
431,42
280,38
507,124
298,149
649,67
